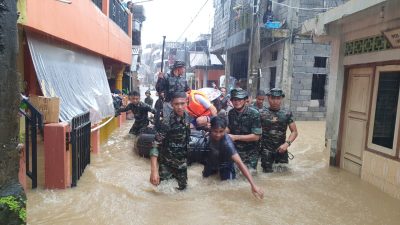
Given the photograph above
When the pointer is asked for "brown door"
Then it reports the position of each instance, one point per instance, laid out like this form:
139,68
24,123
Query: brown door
359,83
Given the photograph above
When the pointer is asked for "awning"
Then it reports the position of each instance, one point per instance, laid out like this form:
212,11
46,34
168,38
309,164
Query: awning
77,78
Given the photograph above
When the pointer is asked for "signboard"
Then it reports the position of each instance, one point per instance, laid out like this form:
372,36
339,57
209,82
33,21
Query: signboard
393,37
135,49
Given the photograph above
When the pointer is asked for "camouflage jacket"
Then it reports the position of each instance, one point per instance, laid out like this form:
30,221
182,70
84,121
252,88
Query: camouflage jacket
140,111
172,138
148,101
274,126
246,122
264,108
171,84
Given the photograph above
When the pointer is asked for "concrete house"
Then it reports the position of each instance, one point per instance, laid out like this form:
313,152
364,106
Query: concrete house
363,114
284,58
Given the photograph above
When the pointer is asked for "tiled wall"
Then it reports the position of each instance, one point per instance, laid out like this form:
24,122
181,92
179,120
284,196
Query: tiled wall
381,172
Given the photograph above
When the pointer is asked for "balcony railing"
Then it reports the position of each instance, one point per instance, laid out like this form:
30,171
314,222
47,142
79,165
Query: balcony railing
240,23
119,15
98,3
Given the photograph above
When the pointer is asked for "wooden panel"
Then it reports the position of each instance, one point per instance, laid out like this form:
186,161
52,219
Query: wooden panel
351,166
358,94
354,138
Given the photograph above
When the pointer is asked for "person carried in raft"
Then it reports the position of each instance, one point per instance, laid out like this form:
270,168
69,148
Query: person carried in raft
200,109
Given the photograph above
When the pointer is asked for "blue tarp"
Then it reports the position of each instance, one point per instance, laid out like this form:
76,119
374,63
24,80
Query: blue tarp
273,24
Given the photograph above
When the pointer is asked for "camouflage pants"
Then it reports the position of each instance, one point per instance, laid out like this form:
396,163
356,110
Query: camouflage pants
180,174
269,155
249,155
137,126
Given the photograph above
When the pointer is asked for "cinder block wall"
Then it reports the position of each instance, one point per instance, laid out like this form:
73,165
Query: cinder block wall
301,104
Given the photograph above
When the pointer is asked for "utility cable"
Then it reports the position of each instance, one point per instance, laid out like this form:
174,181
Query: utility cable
301,8
191,22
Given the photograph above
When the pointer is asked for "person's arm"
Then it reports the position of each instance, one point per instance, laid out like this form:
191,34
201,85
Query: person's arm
206,104
125,109
150,109
213,110
161,83
256,130
257,191
245,137
154,175
293,135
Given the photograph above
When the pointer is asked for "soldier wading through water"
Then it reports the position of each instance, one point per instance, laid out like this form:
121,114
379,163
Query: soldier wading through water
275,121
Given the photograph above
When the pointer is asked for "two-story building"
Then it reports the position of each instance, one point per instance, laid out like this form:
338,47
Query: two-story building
77,51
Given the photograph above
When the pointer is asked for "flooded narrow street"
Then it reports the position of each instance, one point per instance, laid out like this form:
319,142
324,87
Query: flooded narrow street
115,190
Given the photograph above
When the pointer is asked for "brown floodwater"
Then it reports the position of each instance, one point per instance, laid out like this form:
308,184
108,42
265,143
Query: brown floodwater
115,189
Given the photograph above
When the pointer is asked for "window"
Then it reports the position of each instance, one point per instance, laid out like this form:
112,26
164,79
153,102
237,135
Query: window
272,77
320,62
318,87
274,55
384,122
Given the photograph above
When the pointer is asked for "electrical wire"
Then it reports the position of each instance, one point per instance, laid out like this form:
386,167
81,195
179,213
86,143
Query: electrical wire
191,22
301,8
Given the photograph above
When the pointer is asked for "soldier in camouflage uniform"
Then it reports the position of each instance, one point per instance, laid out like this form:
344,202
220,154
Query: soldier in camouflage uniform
148,100
244,128
172,139
172,82
140,111
259,103
275,122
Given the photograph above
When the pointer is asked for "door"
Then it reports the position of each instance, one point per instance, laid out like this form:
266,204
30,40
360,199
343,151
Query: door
355,117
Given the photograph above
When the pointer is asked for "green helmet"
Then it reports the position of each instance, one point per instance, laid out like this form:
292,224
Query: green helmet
239,93
147,92
276,92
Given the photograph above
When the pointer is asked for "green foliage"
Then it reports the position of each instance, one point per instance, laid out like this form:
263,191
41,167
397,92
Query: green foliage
15,206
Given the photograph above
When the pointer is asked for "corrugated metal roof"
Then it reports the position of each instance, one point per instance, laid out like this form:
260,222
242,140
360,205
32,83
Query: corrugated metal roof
200,59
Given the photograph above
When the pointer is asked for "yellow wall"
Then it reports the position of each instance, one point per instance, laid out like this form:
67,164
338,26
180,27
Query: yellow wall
108,129
382,172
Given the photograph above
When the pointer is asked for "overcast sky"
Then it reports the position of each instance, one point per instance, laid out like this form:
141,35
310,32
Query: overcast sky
170,18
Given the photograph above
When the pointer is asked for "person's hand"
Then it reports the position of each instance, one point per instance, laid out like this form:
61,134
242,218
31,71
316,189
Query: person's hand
283,148
257,192
233,137
154,178
160,75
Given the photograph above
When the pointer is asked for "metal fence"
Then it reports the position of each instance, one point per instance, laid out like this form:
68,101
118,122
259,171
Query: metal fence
119,15
98,3
33,121
80,142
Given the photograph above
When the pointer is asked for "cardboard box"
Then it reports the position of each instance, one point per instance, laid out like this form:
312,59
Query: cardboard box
49,107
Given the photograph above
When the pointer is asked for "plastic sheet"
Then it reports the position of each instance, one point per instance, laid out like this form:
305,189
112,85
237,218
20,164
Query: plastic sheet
78,79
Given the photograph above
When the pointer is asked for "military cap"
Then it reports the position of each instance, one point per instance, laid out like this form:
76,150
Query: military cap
276,92
239,93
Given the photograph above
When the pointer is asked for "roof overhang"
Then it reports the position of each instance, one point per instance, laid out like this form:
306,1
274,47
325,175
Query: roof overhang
317,25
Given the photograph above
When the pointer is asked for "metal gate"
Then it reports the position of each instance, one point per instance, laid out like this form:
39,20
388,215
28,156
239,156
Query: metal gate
33,121
80,141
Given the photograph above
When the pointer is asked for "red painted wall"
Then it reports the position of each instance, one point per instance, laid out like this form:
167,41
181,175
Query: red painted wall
213,75
81,23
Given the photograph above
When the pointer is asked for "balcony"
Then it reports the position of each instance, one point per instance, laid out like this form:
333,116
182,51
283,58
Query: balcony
98,3
240,23
118,14
100,26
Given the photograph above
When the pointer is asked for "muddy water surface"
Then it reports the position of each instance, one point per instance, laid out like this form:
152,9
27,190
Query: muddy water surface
115,190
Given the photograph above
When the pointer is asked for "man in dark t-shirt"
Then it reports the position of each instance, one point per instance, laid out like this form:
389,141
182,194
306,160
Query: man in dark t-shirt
223,155
140,111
